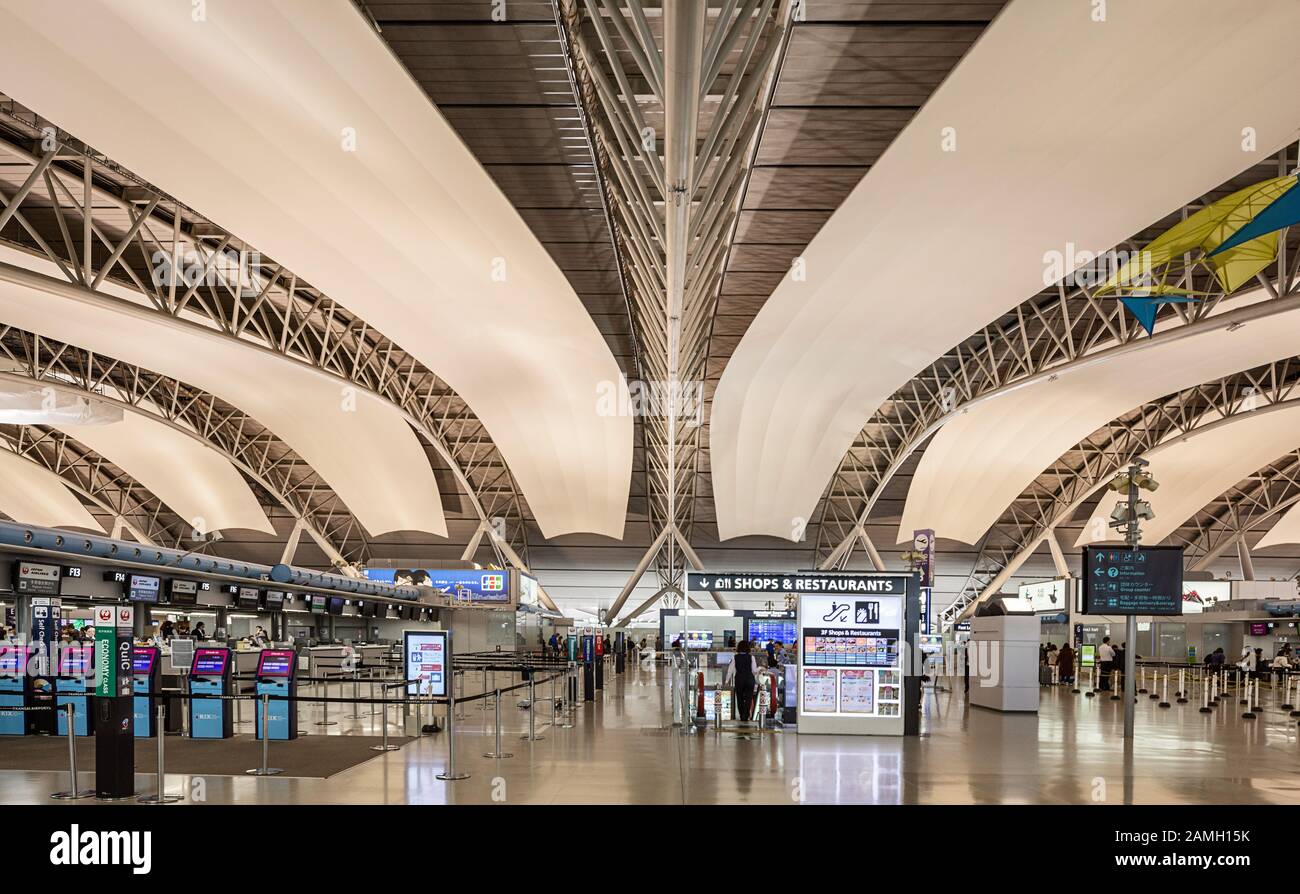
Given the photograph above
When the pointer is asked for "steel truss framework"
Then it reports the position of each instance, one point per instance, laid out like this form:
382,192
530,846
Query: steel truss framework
99,482
248,445
99,223
1057,494
1226,521
1040,339
673,118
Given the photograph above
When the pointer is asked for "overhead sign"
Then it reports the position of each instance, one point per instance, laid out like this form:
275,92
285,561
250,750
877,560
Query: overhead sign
1047,595
39,580
841,583
143,588
1143,581
473,585
428,664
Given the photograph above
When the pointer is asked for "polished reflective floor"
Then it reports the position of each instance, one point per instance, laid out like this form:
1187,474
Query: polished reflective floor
620,752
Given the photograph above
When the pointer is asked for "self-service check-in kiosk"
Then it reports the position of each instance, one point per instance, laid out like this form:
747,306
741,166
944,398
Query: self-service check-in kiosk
277,676
145,673
75,684
210,718
15,690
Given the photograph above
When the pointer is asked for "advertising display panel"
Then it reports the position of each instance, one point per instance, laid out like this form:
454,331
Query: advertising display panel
852,643
427,662
1198,595
472,585
1046,597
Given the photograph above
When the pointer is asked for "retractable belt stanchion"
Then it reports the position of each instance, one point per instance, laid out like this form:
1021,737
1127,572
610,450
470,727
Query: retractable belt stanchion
497,752
384,723
73,793
532,707
356,695
325,718
161,796
264,770
450,773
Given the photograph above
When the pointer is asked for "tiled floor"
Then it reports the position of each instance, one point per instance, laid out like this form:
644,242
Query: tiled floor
619,752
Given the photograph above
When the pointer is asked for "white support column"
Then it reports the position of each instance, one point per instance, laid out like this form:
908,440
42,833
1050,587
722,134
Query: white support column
638,572
513,558
876,561
1058,555
119,525
291,545
472,547
1243,557
645,606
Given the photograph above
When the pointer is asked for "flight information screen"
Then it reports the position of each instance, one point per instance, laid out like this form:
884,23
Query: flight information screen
765,630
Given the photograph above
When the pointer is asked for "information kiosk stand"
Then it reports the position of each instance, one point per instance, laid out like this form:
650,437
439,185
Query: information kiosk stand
277,676
15,690
145,671
74,684
210,718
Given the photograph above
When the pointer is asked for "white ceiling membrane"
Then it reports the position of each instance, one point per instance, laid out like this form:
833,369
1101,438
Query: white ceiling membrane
31,495
1194,470
192,480
23,403
291,124
1049,122
981,460
1285,532
361,445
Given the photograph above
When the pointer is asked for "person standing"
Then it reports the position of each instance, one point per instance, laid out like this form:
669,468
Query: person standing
1106,656
1065,664
741,677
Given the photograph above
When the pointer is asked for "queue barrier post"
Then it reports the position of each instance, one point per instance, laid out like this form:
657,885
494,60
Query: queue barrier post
532,707
325,718
384,724
161,796
264,770
450,773
73,793
497,752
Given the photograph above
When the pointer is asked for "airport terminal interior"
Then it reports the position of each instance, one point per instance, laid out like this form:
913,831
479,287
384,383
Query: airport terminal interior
649,402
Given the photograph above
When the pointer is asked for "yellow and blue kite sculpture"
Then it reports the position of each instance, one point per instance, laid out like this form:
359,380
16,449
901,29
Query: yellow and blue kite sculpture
1234,238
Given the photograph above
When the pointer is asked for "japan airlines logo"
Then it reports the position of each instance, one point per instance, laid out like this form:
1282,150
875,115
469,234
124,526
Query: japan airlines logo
838,613
104,615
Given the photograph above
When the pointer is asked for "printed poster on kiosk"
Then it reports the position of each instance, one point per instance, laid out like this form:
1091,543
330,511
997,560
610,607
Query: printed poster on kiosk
851,650
427,662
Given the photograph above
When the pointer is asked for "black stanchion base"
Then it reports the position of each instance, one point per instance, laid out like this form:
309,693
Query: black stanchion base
1144,691
1287,707
1164,705
1074,692
1243,701
1295,713
452,777
1117,698
1257,709
1248,715
1206,710
1091,694
1182,701
1154,697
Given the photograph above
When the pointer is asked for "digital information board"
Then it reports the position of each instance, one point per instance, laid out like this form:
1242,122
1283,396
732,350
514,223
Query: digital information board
1143,581
428,664
852,644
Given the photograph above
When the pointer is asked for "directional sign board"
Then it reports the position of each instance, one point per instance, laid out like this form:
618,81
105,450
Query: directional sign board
1143,581
847,583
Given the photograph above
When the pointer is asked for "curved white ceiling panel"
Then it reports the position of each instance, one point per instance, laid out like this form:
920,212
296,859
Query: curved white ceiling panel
32,495
361,445
984,458
1027,147
1286,531
192,480
1196,469
291,124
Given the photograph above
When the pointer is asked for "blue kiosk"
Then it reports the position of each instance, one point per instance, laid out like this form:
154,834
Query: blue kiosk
277,676
145,673
75,684
15,690
210,718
